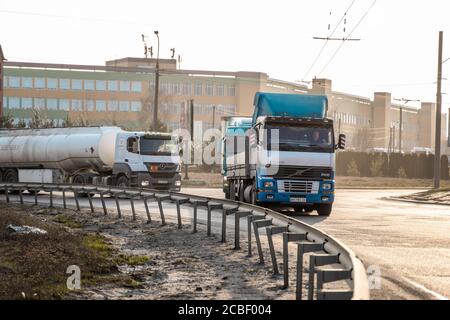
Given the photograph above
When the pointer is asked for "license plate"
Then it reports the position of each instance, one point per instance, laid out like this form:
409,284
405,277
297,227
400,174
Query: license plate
163,182
298,200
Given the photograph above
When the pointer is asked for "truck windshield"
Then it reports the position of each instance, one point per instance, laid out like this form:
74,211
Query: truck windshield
157,146
301,138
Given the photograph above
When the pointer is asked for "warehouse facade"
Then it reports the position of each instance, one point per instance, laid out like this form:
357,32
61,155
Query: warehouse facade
122,93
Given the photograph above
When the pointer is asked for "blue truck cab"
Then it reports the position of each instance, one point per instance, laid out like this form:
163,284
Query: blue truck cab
287,156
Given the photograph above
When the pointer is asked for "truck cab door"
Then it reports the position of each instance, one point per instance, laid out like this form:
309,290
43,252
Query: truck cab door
132,155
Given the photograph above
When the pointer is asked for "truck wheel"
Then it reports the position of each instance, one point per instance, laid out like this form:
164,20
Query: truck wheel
80,180
122,182
324,210
11,176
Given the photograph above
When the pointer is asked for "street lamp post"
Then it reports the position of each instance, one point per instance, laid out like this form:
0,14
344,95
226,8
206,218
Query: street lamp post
437,142
155,107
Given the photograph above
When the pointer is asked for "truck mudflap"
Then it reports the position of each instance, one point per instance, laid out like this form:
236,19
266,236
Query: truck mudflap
287,198
173,183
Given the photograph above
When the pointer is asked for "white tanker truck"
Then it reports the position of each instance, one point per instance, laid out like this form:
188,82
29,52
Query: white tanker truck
90,155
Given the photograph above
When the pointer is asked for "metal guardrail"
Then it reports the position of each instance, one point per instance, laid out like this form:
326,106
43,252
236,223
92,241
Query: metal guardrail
325,252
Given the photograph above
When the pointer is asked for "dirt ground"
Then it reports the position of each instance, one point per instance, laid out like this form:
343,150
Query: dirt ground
441,196
171,263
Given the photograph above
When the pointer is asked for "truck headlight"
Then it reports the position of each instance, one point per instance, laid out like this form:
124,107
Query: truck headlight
327,186
268,184
145,183
178,183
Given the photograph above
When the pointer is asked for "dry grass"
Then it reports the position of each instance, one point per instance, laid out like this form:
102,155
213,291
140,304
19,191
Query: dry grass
34,266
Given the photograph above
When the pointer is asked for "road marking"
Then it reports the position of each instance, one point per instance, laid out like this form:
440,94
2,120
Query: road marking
421,287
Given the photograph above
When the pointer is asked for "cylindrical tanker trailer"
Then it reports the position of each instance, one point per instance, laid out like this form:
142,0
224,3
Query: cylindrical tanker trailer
90,155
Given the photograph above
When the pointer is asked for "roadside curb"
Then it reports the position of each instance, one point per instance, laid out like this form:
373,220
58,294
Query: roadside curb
415,201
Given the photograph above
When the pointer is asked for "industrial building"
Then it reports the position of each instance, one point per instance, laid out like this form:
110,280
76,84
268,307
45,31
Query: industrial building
122,93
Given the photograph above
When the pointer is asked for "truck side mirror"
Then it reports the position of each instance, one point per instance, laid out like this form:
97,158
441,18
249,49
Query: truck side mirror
341,142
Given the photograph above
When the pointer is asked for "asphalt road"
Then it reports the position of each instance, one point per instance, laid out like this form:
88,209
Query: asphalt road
408,242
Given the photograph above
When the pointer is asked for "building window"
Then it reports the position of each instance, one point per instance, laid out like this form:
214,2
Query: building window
64,104
77,84
232,91
220,90
187,89
113,105
112,85
198,89
27,83
89,85
209,90
39,103
5,82
77,105
100,85
100,106
89,105
14,103
124,106
52,83
27,103
136,86
5,102
136,106
39,83
52,104
125,86
14,82
64,84
176,89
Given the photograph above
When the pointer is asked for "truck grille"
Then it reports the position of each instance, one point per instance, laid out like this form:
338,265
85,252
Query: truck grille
293,172
305,187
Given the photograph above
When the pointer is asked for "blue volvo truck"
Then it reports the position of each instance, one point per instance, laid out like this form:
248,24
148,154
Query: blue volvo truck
283,156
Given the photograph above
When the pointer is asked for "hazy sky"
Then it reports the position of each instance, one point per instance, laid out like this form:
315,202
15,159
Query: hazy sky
397,51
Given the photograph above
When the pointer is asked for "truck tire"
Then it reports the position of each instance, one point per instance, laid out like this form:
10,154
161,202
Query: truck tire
11,176
253,195
80,180
122,181
324,210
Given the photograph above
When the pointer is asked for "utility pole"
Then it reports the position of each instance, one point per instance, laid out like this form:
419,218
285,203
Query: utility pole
400,131
214,117
191,131
437,142
393,138
155,106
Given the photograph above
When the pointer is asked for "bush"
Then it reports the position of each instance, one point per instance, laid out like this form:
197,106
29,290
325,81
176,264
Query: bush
352,169
376,167
402,173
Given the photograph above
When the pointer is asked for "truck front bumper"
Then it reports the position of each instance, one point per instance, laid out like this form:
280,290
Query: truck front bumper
145,180
287,198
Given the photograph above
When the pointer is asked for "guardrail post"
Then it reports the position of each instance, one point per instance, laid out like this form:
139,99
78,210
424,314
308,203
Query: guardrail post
161,211
332,275
7,194
91,205
289,237
256,226
226,212
302,248
211,207
318,260
147,210
35,197
270,231
133,210
119,212
250,220
237,226
21,195
196,204
64,198
102,199
51,198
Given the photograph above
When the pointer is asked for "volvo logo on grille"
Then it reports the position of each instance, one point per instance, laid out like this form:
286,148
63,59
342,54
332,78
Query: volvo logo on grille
162,165
299,172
